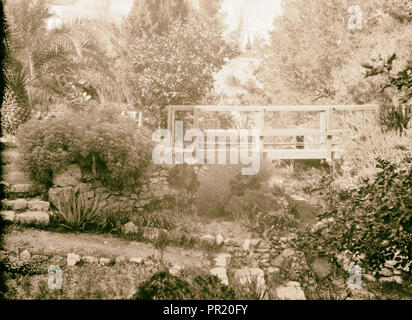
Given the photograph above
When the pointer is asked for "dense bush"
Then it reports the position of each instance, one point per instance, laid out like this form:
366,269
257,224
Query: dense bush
113,151
373,221
164,286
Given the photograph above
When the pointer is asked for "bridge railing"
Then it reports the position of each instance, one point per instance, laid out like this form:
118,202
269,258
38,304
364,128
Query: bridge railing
326,148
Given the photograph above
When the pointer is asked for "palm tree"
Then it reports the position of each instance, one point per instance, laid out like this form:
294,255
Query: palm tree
44,65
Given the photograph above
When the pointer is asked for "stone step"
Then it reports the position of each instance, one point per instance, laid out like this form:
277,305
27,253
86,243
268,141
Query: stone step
23,204
15,191
8,215
36,217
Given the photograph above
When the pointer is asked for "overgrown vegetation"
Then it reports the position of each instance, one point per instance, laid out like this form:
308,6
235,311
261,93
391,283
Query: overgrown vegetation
114,151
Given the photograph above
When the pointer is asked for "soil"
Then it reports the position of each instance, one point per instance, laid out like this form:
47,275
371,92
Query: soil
52,243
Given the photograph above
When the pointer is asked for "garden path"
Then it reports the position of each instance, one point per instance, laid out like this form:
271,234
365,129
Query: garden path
53,243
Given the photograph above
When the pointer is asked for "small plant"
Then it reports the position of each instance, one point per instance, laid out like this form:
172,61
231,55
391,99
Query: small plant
77,210
275,223
160,243
14,265
191,286
164,286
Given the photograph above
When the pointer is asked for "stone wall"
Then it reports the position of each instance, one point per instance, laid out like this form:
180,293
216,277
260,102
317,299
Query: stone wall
156,189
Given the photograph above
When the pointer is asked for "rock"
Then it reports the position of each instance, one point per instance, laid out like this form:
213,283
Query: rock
222,260
130,227
292,291
369,277
8,215
221,274
69,177
255,242
37,217
104,261
248,275
120,260
38,205
219,239
208,238
25,255
136,260
386,272
175,270
246,244
233,242
90,259
72,259
282,257
396,279
15,205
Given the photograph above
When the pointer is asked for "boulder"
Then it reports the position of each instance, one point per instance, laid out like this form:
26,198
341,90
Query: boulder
291,291
69,177
37,217
72,259
8,215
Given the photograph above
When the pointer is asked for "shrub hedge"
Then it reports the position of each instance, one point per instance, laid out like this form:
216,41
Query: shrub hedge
113,150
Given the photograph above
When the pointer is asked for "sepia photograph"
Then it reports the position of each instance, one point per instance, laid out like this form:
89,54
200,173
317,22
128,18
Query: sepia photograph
206,153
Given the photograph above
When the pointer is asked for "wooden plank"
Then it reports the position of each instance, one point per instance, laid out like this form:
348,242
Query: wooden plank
329,126
169,119
280,108
294,154
323,129
298,132
196,118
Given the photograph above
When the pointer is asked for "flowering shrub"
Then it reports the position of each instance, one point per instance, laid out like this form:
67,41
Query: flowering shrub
113,151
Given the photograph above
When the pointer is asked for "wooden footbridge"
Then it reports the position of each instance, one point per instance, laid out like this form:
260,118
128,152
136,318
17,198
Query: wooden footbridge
301,146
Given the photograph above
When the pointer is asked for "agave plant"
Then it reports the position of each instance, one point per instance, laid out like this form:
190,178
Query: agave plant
77,209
